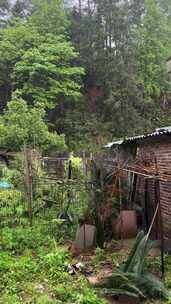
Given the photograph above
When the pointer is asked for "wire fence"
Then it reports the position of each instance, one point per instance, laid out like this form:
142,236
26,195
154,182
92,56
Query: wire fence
48,189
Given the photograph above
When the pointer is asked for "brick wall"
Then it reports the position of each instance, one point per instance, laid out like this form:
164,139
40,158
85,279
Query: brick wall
161,150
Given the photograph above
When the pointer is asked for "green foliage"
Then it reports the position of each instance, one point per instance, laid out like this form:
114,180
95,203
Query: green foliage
10,197
76,167
37,58
39,65
20,239
24,125
44,73
49,16
99,255
54,261
69,202
11,206
123,46
33,270
133,277
14,41
154,48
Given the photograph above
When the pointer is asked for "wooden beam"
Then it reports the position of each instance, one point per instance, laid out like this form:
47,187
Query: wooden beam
157,199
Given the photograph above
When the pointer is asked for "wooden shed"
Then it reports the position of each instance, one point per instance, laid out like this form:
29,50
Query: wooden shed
146,161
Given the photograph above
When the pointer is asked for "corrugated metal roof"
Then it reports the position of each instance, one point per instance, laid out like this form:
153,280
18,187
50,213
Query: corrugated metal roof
136,139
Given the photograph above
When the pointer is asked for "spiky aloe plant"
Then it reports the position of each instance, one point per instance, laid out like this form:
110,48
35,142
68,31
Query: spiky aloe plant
133,278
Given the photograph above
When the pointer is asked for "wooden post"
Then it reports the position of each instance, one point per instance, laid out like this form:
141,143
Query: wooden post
29,182
133,190
68,191
146,205
57,167
120,204
70,170
84,237
84,164
30,186
157,198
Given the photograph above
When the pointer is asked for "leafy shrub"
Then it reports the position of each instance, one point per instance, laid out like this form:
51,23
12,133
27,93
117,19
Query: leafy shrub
19,239
6,261
10,198
25,125
54,262
11,206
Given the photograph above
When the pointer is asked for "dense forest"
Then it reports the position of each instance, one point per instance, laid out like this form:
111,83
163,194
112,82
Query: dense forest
74,75
77,225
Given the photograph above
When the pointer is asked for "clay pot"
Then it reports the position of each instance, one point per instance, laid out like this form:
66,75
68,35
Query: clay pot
126,225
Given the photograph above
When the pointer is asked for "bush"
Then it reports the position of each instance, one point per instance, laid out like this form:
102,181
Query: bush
25,125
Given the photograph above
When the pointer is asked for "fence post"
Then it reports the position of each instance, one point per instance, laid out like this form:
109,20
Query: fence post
29,182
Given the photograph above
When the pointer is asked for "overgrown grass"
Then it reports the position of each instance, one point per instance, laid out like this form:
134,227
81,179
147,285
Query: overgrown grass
33,270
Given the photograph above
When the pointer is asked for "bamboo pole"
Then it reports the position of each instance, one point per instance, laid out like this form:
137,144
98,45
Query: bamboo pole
152,222
159,177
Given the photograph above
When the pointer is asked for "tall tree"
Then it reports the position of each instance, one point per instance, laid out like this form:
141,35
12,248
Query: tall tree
40,66
4,11
123,47
48,16
21,8
15,40
104,38
45,73
154,45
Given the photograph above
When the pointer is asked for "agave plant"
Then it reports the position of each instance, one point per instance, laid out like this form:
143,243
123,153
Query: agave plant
133,278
